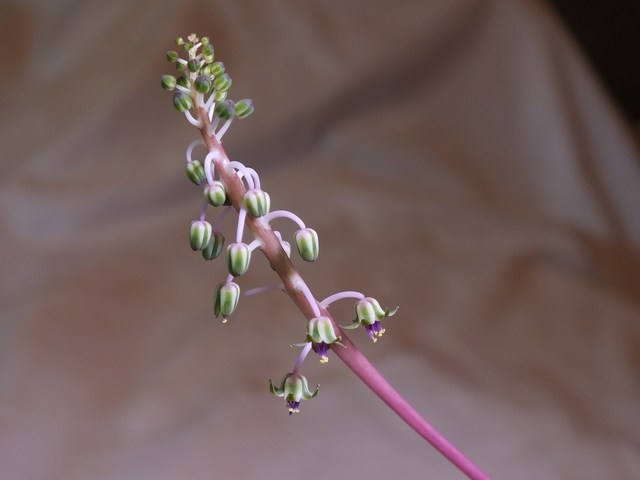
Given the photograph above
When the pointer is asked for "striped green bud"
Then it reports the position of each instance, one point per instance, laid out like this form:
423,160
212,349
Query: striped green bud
244,108
179,41
217,68
238,258
195,172
257,202
168,82
172,56
205,41
222,83
207,52
215,193
307,243
202,84
225,110
181,67
214,247
183,81
226,299
193,65
199,234
219,96
182,102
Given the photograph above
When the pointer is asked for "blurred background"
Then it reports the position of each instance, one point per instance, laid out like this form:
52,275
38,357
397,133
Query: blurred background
471,161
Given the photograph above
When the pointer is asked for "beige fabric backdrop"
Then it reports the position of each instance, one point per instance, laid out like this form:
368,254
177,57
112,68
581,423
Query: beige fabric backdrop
457,157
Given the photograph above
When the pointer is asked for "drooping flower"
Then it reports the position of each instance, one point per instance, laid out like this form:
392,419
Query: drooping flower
308,244
238,258
195,172
368,314
257,202
214,247
226,299
321,335
294,388
199,234
215,193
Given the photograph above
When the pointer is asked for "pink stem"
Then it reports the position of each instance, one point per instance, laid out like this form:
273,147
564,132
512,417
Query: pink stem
297,289
358,363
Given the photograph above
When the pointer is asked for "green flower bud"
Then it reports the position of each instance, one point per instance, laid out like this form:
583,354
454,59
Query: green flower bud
225,110
181,67
244,108
199,234
172,56
307,243
219,96
214,247
207,50
179,41
195,172
222,83
193,65
238,258
205,41
215,193
186,46
202,84
183,81
168,82
226,299
257,202
182,101
293,388
217,68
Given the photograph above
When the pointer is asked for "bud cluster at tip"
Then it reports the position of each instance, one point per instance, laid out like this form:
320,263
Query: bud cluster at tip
202,81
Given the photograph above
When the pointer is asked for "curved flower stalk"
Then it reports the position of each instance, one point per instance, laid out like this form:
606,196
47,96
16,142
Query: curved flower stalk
200,92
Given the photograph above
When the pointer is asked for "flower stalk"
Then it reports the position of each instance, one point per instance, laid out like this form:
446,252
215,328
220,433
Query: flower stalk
242,192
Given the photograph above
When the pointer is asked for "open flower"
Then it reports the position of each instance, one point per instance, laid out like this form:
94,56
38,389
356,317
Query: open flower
321,335
368,314
293,388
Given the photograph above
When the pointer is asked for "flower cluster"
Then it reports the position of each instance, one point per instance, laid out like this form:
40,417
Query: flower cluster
203,85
